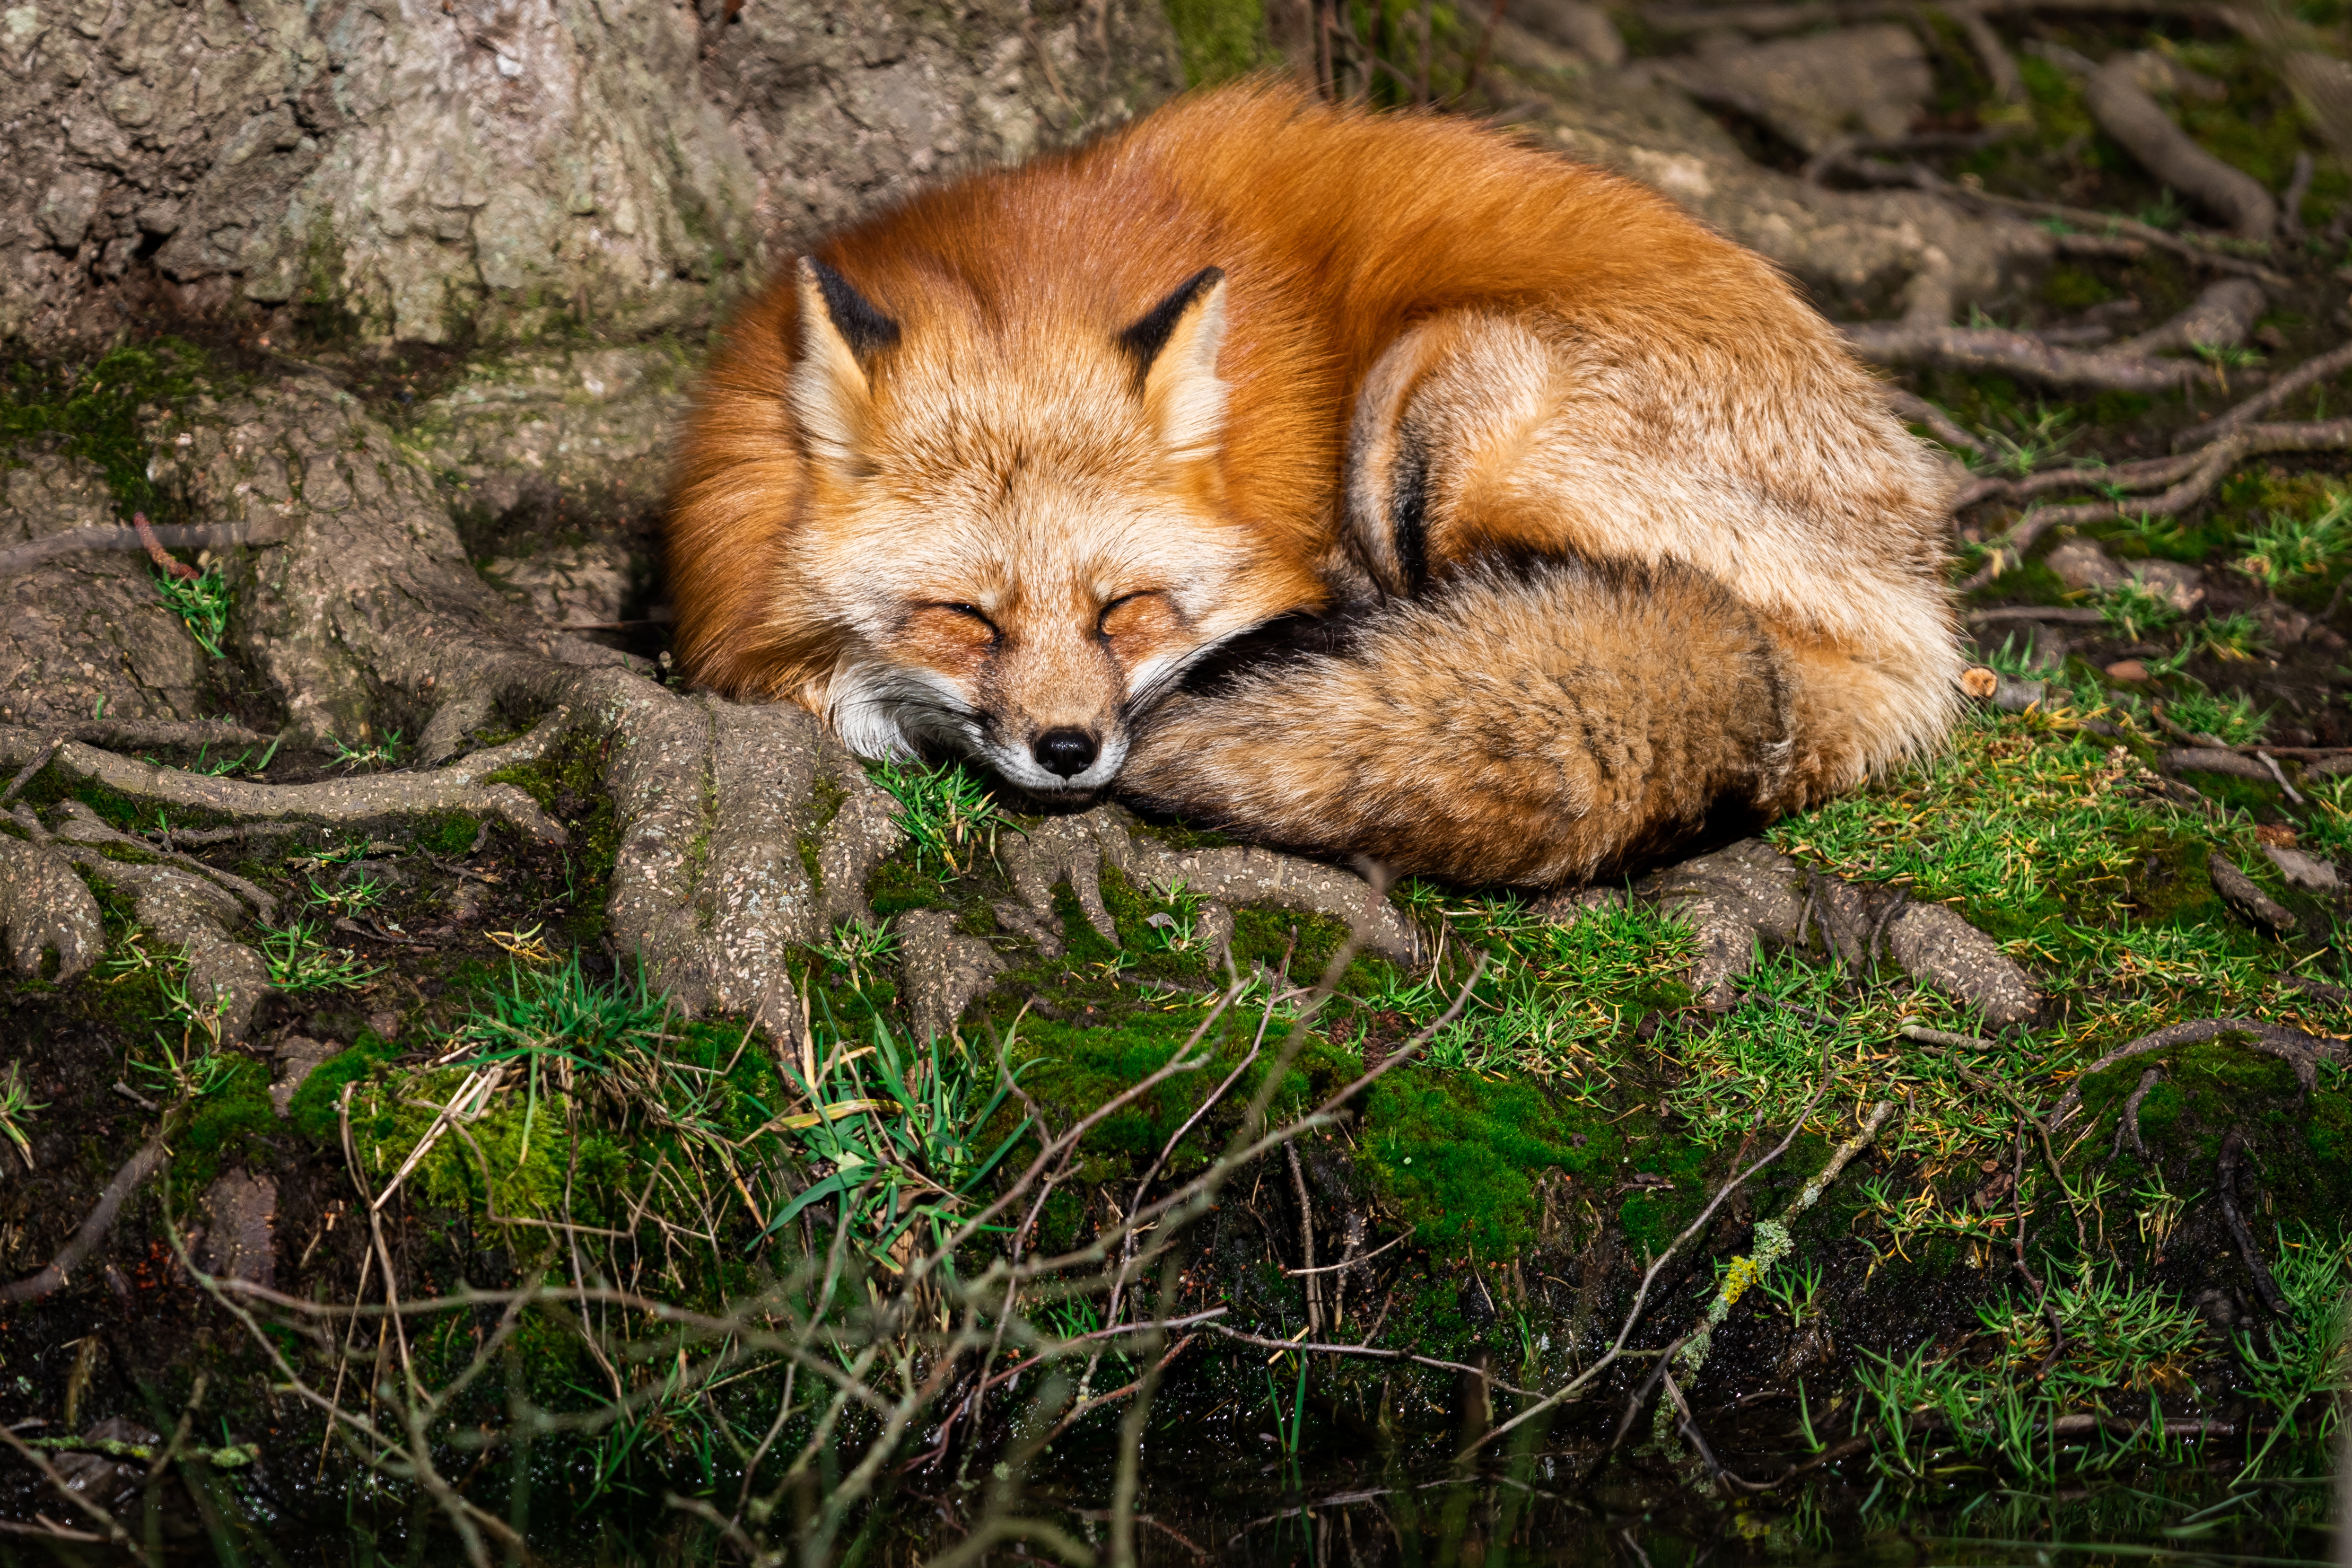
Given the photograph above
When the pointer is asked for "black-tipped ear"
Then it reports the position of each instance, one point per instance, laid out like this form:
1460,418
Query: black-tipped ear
1144,340
857,318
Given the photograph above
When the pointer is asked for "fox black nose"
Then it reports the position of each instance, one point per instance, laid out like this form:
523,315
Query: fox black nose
1068,752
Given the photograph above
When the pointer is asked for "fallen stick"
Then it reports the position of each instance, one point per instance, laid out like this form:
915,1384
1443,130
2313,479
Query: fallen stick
152,1157
75,541
1774,1241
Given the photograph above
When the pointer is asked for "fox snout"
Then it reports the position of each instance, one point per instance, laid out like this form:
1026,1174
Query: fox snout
1058,739
1067,761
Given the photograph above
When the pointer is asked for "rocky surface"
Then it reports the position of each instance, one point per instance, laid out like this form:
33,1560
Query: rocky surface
84,635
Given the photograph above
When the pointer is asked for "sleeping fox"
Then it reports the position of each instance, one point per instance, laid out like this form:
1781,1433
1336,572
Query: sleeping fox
1365,484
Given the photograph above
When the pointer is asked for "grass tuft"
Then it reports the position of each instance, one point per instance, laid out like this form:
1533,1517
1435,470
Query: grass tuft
201,602
945,811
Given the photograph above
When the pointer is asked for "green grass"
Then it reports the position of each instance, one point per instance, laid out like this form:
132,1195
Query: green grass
2303,1365
201,602
897,1132
2132,611
2288,551
2020,443
2013,828
564,1012
945,811
2231,720
856,947
301,963
2126,1344
353,895
367,753
17,1108
1553,998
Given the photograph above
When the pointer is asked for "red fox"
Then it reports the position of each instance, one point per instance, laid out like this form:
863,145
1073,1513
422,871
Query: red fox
1365,483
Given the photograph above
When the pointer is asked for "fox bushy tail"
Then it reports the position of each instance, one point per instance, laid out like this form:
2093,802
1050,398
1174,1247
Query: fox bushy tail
1535,725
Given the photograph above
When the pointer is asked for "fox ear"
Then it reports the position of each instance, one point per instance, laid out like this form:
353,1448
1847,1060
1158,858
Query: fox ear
841,331
1174,346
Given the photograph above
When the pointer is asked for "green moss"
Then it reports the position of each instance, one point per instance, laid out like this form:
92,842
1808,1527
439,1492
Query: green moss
2074,288
897,884
2299,1142
569,784
1074,1069
827,798
2120,408
1220,39
92,411
314,1111
224,1128
1457,1156
447,834
2030,583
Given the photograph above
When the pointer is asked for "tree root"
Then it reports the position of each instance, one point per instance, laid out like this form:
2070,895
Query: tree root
2240,892
332,802
1749,893
85,826
2128,1125
2220,317
46,908
73,541
2118,96
2311,372
2302,1051
1074,849
717,800
943,972
2191,477
226,980
2225,1187
152,1157
2108,231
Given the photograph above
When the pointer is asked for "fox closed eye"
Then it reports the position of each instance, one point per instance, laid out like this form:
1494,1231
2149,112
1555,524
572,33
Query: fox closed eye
970,612
1102,619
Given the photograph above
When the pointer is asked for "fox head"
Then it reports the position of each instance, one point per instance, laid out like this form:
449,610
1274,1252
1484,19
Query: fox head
1012,523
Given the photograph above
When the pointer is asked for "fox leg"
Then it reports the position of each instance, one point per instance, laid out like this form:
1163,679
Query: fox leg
1536,726
1772,468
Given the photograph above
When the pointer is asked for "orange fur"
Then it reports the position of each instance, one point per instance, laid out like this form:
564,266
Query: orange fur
1601,378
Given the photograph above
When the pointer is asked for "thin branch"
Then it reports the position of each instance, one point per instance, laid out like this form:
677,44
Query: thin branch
152,1156
75,541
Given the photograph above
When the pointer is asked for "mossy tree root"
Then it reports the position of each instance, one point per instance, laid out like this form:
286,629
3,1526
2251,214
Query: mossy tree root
2185,481
332,802
2302,1051
1749,894
1074,849
2219,318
